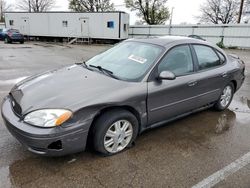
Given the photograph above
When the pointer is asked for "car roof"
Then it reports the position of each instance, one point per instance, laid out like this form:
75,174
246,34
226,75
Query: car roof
165,40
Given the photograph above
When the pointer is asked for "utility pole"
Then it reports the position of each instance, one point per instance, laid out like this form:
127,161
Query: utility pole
241,10
170,21
29,6
1,9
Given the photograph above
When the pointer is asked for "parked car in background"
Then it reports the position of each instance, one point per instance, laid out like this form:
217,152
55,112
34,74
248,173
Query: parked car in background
197,37
1,34
12,35
108,101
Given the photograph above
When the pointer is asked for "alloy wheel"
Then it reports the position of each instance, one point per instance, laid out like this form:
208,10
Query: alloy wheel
226,96
118,136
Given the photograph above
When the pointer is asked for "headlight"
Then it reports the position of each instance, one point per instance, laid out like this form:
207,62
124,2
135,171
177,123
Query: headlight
48,117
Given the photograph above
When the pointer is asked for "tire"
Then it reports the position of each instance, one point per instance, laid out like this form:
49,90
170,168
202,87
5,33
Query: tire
121,138
21,42
225,99
6,40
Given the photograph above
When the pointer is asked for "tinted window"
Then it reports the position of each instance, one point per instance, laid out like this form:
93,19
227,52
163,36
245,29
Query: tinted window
207,57
178,60
110,24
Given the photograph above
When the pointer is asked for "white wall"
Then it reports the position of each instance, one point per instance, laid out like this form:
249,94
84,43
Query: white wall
2,25
50,24
234,34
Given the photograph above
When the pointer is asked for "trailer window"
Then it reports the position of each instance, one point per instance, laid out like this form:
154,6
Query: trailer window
65,23
110,24
11,22
125,27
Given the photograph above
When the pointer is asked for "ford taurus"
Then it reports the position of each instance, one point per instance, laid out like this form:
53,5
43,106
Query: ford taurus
113,97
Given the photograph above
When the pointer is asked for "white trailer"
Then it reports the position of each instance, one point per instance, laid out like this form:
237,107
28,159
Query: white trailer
95,25
2,25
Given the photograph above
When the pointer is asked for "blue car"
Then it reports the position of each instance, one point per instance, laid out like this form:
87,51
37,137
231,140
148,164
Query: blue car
11,35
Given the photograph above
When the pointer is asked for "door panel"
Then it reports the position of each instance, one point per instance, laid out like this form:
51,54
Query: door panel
210,85
212,76
169,98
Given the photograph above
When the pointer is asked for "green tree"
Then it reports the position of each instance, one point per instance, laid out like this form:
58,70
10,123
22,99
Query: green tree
151,12
91,5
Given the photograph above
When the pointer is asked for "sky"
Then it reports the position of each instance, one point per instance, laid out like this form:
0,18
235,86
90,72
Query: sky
184,10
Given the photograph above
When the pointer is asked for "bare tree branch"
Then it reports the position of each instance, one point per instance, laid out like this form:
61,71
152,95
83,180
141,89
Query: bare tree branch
219,11
35,5
3,8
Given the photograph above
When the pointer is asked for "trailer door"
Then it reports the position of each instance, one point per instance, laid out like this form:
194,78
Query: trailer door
25,26
84,27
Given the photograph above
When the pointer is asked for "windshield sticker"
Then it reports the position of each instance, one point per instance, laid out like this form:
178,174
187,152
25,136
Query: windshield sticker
137,59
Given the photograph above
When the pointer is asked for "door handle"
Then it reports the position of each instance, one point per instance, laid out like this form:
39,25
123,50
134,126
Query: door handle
224,74
192,83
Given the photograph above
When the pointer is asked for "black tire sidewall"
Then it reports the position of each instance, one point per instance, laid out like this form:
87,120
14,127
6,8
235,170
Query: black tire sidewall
105,121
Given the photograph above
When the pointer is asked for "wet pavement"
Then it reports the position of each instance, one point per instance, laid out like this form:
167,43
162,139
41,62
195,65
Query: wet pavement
180,154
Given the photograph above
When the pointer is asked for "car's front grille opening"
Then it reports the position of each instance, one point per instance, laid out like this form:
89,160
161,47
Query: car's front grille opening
57,145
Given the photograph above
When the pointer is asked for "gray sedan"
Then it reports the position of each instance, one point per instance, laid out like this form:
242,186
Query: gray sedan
109,100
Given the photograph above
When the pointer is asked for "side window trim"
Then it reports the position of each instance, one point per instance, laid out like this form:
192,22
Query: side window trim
195,58
217,53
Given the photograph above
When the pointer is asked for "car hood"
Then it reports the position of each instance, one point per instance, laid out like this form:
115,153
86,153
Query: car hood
68,88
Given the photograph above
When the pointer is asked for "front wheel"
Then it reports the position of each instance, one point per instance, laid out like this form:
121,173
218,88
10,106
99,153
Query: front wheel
6,41
114,131
225,98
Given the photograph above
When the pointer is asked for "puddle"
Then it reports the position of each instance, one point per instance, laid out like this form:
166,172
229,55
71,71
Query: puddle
225,121
12,81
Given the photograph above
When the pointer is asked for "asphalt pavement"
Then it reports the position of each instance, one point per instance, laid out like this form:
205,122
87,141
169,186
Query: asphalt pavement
194,151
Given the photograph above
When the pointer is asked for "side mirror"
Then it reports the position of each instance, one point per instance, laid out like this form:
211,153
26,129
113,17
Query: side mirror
166,75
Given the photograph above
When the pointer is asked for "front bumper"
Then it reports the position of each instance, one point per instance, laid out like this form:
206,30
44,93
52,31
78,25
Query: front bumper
56,141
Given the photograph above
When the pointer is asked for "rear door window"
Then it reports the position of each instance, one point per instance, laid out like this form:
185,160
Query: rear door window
207,57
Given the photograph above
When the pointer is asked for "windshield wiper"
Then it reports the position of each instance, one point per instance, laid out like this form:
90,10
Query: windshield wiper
105,71
83,64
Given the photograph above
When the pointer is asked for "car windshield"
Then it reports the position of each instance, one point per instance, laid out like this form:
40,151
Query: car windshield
128,60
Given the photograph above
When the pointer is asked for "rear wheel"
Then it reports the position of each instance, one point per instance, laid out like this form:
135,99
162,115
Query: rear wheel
114,131
225,98
21,42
